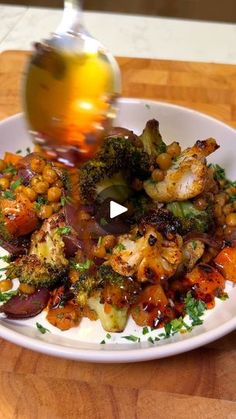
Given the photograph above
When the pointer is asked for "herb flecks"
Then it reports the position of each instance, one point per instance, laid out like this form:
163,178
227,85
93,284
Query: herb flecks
17,183
9,195
5,296
195,309
120,247
64,230
10,169
41,328
133,338
82,266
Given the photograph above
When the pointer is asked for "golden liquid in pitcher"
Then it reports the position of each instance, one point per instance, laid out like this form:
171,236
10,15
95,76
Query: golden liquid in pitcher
69,98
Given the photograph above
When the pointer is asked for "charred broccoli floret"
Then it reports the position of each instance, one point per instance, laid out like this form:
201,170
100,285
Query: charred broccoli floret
109,294
152,140
191,218
118,155
45,263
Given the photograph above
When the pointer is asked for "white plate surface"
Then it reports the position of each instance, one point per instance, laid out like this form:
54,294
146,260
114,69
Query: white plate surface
83,343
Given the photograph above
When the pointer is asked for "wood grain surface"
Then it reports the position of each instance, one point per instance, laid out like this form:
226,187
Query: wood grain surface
200,384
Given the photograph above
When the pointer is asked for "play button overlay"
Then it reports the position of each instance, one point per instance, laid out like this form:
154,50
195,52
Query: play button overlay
116,209
111,212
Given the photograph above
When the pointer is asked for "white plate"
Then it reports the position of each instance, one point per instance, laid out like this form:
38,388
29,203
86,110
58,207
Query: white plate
83,342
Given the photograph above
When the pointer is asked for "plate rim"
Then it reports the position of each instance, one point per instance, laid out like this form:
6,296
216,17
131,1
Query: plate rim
136,354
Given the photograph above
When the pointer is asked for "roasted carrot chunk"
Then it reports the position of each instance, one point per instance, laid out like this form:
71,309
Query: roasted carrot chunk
207,279
17,217
11,158
226,262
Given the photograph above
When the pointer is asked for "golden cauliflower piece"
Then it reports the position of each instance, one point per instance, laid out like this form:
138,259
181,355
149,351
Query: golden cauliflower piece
186,177
149,258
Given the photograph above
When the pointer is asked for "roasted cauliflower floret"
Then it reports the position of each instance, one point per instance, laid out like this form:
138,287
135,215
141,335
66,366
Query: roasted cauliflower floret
186,177
149,258
45,263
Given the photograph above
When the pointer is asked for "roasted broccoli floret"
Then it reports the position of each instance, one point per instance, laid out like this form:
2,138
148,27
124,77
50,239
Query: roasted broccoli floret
45,263
109,294
191,218
113,319
118,156
152,140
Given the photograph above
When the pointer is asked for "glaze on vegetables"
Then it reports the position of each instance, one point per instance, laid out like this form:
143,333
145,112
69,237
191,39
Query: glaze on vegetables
173,260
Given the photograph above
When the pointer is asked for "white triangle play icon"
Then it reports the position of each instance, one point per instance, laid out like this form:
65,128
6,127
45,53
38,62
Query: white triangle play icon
116,209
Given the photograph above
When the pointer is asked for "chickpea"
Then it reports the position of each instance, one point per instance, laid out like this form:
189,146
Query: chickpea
99,252
49,175
58,183
174,149
2,165
227,209
221,220
54,194
5,285
231,219
45,211
35,180
158,175
26,288
137,184
84,216
4,183
221,198
56,206
37,164
20,189
30,193
164,161
200,204
41,187
228,230
108,241
217,210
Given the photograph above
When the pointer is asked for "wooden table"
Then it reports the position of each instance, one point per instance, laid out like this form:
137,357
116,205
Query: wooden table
200,384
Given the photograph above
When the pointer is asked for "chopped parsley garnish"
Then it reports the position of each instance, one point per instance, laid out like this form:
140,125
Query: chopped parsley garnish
17,183
18,151
102,342
28,150
151,340
10,169
82,266
5,296
219,172
223,296
64,230
9,195
132,338
103,222
194,308
194,244
108,336
41,328
145,330
6,258
147,106
232,198
120,247
66,200
40,201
